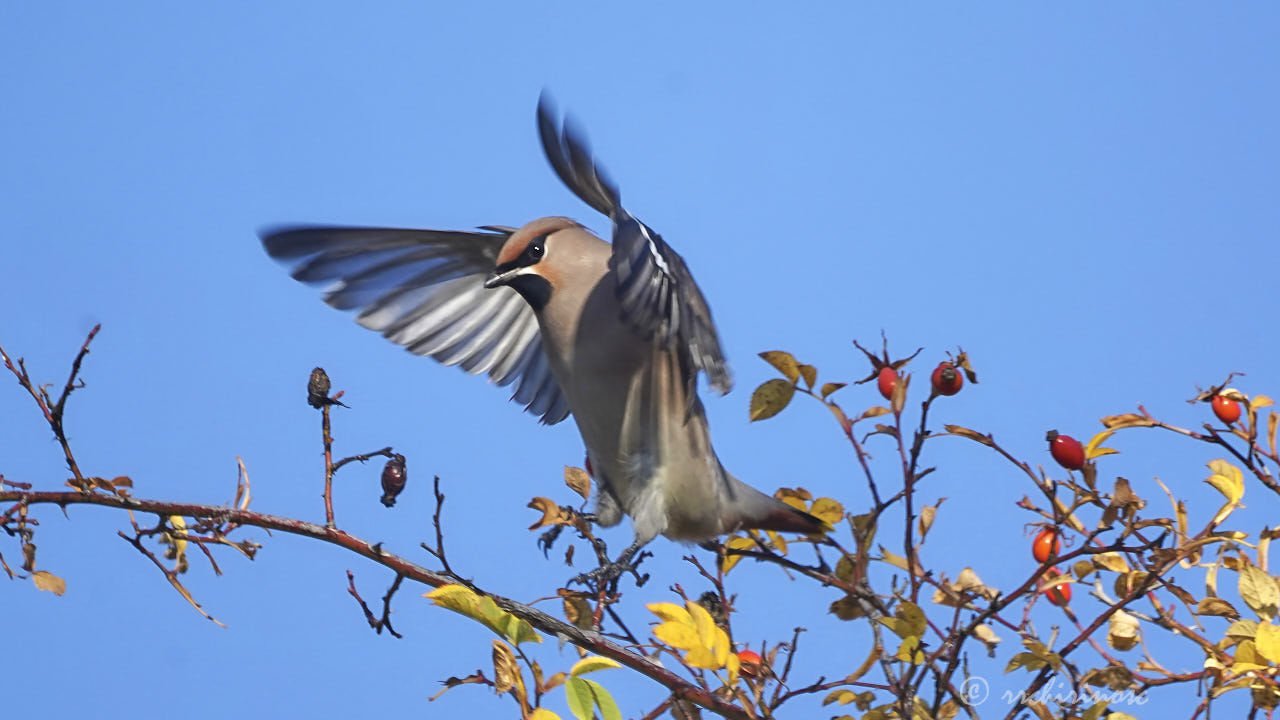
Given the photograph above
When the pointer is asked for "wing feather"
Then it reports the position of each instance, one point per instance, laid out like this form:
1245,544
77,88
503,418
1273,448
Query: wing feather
659,298
424,290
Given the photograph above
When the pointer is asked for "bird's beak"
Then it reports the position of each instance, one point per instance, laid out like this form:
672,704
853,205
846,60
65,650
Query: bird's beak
497,279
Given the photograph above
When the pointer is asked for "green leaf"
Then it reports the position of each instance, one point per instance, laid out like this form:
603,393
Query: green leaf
592,664
584,695
608,708
1259,591
578,693
770,398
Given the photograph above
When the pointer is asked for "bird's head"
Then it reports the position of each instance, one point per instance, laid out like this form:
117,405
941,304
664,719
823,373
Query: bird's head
530,261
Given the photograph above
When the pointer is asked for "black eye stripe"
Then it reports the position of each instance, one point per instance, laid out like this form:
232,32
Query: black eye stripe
531,255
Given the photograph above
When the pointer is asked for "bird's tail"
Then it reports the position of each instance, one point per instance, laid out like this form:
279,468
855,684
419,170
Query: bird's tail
785,518
757,511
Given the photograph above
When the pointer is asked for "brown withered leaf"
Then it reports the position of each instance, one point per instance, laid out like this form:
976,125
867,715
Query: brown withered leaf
1180,593
1126,582
1216,607
1112,561
47,581
1124,501
770,399
578,481
987,637
1113,677
874,411
454,682
506,672
28,556
962,362
578,611
784,362
1122,631
1124,420
967,584
552,514
965,432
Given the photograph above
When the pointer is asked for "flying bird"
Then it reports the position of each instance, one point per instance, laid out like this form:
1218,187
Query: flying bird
614,334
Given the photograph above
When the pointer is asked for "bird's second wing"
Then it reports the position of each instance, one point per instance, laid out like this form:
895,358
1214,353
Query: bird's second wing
660,299
424,289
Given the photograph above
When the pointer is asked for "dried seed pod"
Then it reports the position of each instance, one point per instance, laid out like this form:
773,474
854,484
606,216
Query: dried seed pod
394,477
318,388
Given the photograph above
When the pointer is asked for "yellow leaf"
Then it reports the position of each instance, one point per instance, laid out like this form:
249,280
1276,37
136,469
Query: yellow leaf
670,612
1260,401
706,628
895,560
1268,642
1226,479
578,481
701,657
179,523
733,665
1094,447
828,388
874,411
785,363
47,581
592,664
736,543
777,541
770,398
827,510
543,714
841,697
810,374
678,635
909,651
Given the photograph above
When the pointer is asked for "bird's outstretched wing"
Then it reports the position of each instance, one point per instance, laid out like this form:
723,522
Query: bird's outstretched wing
424,289
660,299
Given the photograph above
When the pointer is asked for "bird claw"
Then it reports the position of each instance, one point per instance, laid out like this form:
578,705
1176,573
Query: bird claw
610,573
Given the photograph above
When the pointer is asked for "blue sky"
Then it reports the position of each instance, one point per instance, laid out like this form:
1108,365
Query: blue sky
1081,195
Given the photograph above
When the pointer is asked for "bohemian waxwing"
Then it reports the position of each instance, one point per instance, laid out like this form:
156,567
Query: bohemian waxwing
614,334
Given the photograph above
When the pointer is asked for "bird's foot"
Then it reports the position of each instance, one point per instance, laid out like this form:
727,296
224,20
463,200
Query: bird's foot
608,574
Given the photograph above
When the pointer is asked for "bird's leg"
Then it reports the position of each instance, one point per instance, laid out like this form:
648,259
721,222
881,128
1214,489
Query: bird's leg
609,572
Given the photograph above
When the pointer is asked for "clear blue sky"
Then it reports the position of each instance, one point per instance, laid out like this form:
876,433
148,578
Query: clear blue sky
1081,195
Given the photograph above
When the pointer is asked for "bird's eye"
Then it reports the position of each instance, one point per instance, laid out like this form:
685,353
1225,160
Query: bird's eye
535,250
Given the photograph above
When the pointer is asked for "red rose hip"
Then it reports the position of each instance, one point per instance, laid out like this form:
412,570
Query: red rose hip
887,381
1066,450
1227,410
946,379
